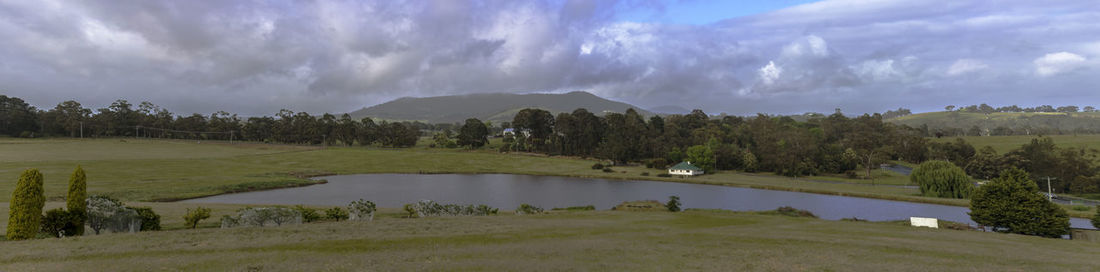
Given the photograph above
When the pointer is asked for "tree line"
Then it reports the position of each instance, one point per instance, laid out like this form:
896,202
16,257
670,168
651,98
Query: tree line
987,109
123,119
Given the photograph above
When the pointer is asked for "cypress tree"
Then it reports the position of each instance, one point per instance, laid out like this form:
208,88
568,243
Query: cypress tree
76,203
25,212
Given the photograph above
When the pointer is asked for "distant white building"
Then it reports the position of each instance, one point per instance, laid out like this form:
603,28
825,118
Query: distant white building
511,132
685,169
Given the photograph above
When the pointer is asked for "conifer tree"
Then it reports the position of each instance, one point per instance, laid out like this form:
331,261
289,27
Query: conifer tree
76,203
25,212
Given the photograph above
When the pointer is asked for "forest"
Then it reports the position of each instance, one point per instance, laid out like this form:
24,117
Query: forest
821,145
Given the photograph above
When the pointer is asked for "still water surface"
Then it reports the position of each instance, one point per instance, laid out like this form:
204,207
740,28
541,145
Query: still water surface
509,191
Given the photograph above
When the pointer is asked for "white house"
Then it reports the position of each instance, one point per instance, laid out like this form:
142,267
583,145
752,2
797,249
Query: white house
685,169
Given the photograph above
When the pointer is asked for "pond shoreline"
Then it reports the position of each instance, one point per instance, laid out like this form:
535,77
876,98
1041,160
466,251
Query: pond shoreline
686,180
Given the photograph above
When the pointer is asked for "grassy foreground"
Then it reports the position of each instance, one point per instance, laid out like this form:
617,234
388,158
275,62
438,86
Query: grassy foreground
603,240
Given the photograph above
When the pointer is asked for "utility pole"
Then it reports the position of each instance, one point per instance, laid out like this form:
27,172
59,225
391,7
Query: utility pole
81,129
1050,193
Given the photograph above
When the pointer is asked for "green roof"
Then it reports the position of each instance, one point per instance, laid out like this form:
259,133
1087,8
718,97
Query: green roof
685,166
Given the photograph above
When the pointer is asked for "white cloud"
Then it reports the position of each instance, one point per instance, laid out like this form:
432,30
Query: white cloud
877,70
1058,63
965,66
770,73
811,45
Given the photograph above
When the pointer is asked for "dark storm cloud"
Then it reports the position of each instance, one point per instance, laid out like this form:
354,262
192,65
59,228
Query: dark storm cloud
255,57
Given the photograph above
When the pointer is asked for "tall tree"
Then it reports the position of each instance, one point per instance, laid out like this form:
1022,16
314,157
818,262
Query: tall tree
538,123
474,134
1012,203
17,118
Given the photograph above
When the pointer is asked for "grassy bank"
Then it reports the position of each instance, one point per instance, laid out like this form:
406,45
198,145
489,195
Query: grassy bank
603,240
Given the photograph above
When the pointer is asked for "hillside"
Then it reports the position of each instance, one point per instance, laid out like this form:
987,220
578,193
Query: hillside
494,107
1020,122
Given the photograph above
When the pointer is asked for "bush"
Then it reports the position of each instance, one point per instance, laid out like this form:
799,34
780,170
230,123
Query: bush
673,204
193,217
410,210
25,217
149,220
664,175
58,223
942,179
576,208
308,214
528,209
336,213
108,213
597,166
790,211
659,163
361,210
608,170
76,201
426,208
260,217
1012,203
1096,218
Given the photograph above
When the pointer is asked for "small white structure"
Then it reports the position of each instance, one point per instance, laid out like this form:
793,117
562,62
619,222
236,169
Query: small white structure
924,222
685,169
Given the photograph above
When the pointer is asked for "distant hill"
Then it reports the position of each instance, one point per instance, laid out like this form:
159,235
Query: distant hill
670,109
494,107
1037,122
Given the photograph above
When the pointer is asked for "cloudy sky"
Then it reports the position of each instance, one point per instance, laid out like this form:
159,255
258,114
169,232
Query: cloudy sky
739,57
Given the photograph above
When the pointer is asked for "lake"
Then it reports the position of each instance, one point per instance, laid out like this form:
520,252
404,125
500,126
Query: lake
509,191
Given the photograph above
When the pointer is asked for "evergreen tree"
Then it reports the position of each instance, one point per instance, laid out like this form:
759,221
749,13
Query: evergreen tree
941,179
25,212
75,201
1012,203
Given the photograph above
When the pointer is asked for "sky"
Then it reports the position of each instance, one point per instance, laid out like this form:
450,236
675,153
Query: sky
735,57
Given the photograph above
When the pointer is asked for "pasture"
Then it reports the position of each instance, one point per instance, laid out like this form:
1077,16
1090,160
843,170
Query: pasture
598,240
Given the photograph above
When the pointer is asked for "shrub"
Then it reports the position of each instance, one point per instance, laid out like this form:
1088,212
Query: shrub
748,162
193,217
264,216
854,219
410,210
790,211
1012,203
673,204
308,214
361,210
528,209
608,170
336,213
149,219
426,208
597,166
576,208
25,210
57,223
942,179
108,213
664,175
1096,218
659,163
76,201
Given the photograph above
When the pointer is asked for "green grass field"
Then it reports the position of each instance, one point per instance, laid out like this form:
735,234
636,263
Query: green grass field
600,240
1004,144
